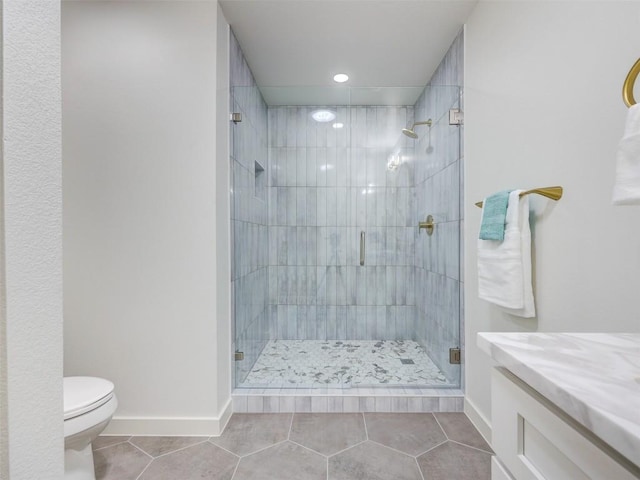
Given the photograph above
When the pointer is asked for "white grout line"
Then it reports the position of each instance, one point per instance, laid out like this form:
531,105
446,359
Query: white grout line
235,469
176,450
263,449
293,414
435,446
443,431
393,449
308,448
144,470
366,430
456,441
148,464
348,448
222,448
419,469
473,448
112,445
138,448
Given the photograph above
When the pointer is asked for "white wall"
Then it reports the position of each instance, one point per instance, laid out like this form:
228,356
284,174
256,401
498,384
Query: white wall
223,209
543,107
32,437
4,414
139,104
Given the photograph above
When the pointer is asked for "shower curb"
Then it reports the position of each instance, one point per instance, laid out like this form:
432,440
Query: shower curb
380,400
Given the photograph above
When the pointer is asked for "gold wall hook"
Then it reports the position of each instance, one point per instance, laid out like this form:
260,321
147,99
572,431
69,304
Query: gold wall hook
428,225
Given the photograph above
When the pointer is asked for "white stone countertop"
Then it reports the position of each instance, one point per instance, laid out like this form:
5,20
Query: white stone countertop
593,377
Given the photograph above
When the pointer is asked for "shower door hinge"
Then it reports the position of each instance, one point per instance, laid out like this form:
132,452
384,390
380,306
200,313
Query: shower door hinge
456,116
236,117
239,356
454,356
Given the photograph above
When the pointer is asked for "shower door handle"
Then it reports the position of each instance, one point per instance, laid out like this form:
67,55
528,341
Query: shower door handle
362,240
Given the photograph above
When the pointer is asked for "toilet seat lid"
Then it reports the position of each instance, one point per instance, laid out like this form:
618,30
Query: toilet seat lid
83,394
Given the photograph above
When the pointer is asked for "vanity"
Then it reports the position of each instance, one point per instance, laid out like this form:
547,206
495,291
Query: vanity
565,406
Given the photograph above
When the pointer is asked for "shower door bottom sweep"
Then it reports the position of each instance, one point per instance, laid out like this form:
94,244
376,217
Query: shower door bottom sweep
343,364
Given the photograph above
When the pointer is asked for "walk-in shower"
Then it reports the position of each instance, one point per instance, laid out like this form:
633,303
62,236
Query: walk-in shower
333,283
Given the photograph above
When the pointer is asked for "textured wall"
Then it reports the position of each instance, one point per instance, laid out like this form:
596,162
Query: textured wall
438,188
249,167
32,262
326,185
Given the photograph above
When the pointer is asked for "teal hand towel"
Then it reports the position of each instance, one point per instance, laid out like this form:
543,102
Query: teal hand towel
494,214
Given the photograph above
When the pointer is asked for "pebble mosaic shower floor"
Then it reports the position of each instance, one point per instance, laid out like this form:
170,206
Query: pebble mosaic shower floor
336,363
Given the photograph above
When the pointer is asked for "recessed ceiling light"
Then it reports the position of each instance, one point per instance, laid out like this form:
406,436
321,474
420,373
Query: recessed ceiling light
338,125
340,77
323,115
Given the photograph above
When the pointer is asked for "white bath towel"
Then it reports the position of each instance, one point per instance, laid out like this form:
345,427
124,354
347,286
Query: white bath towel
626,190
504,268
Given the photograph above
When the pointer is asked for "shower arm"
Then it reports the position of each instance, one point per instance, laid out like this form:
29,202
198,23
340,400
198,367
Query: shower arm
426,122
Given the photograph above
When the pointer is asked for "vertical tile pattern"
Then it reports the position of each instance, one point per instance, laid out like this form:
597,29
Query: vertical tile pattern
249,214
349,400
338,184
296,225
438,180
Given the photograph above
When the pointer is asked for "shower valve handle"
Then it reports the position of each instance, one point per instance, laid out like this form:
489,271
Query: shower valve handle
428,225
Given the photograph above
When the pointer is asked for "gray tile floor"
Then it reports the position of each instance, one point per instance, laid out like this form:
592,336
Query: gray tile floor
301,446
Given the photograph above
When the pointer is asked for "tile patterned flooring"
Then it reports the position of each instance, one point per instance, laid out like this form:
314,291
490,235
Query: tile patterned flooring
343,363
307,446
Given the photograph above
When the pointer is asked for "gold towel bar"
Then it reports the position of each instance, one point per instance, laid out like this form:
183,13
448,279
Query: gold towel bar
554,193
627,86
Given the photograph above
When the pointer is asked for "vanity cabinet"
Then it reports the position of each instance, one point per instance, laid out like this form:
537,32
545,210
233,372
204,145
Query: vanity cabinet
534,440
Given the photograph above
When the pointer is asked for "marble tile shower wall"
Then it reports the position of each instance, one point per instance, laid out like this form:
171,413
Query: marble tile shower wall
249,213
439,173
326,185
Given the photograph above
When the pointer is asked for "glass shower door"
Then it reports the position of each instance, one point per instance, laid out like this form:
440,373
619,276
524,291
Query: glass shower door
333,284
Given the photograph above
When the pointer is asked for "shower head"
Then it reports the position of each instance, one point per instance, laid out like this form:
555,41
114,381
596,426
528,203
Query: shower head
409,132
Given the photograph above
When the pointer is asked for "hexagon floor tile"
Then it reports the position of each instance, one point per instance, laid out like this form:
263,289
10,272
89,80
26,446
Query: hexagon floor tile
249,432
120,462
285,461
203,460
459,428
107,441
373,462
305,446
411,433
156,446
467,463
328,434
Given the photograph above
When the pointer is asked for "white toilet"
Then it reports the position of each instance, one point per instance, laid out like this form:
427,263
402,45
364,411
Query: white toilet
89,404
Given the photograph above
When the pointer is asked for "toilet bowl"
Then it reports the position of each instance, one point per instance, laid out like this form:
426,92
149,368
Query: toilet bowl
89,404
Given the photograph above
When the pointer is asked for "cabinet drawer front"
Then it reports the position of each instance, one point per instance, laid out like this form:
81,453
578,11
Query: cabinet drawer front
534,442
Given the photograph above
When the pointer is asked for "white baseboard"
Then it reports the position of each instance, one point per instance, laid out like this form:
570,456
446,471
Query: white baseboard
171,426
225,416
478,419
